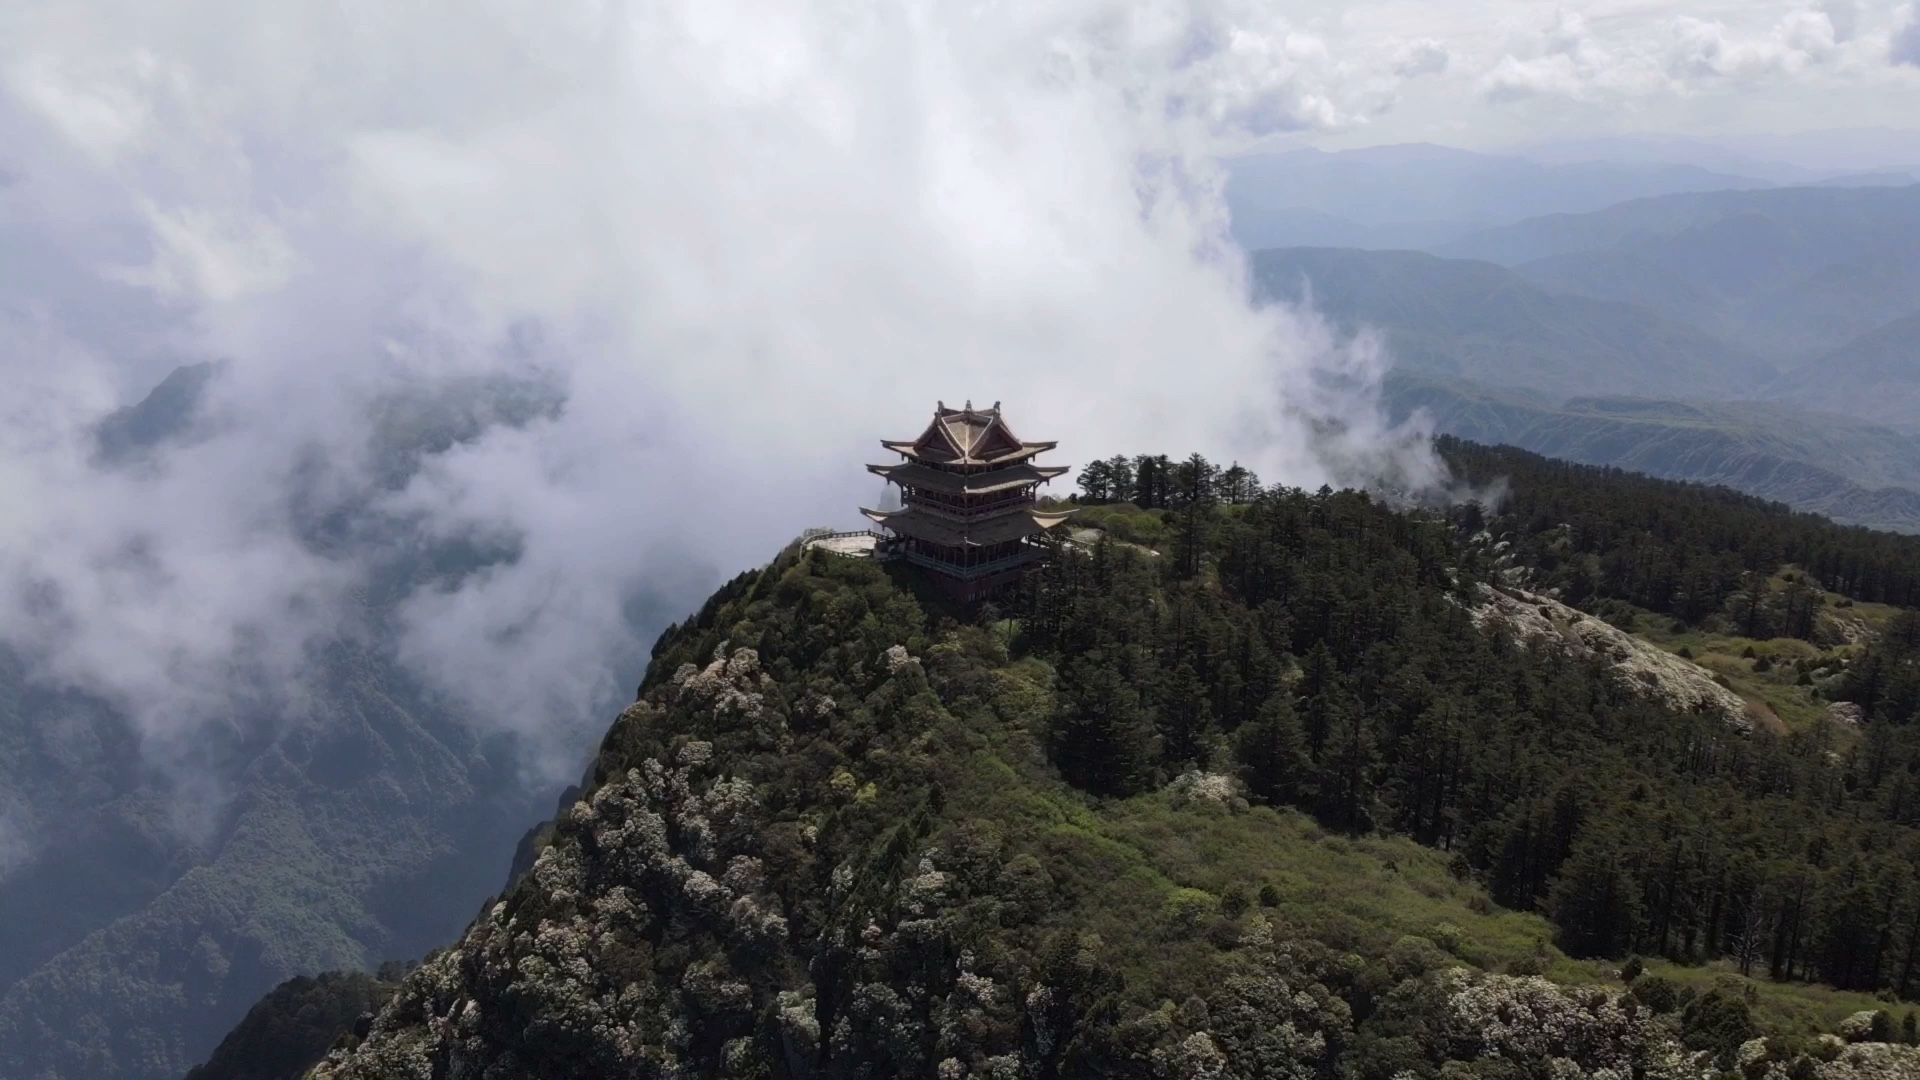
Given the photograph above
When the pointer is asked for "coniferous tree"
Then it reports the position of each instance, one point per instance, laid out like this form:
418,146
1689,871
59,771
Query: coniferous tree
1319,687
1187,725
1102,738
1236,485
1346,768
1595,901
1272,751
1193,499
1096,482
1120,478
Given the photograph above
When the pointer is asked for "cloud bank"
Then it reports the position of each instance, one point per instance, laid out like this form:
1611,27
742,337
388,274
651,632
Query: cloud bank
1678,54
721,247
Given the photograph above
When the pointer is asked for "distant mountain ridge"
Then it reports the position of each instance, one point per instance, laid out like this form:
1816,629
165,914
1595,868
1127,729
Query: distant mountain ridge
1480,321
1805,296
1852,472
1838,219
1420,194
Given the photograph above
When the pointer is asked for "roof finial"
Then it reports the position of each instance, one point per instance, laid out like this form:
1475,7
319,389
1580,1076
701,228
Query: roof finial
939,406
969,404
996,406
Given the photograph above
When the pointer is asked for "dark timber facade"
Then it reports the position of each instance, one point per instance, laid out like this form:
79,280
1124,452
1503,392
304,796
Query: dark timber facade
967,510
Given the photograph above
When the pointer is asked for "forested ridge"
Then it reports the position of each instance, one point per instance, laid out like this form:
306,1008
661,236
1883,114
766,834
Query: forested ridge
1246,782
1322,645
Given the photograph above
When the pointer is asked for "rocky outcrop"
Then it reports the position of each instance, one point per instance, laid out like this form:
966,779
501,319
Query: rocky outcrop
1669,679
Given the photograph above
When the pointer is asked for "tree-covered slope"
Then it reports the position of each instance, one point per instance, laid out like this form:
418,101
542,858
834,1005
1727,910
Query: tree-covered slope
1224,807
1829,464
1479,321
153,885
365,830
293,1026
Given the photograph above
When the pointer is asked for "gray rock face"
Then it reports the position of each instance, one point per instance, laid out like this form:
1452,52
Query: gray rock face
1678,683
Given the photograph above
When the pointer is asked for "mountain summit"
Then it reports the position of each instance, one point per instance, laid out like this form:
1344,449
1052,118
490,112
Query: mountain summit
1349,795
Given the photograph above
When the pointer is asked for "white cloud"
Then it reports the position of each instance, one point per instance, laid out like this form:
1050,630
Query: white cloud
1565,59
1674,54
1423,57
1906,42
1707,49
210,254
1844,16
743,243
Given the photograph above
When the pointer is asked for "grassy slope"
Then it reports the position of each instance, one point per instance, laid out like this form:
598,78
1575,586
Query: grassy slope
1124,859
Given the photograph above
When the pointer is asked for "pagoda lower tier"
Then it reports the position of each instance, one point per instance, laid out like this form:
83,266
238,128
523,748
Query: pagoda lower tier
970,558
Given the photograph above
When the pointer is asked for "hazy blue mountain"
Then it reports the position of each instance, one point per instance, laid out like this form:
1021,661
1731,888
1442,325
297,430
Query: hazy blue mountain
1817,158
1834,149
1876,178
1850,471
1285,226
1875,377
1479,321
1788,273
1708,154
1421,194
1807,225
1628,276
1834,305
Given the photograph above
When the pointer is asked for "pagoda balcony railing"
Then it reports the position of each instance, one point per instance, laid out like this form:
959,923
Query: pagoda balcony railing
968,573
972,513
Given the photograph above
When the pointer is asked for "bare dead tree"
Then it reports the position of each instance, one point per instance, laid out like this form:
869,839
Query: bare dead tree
1750,933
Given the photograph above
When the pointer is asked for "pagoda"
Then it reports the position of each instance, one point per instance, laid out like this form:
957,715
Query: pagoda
967,509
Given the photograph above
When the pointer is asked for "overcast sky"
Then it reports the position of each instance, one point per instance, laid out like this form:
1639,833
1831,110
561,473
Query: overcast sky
1492,73
740,241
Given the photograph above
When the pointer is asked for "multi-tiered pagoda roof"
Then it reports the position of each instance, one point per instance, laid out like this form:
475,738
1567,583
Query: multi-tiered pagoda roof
968,511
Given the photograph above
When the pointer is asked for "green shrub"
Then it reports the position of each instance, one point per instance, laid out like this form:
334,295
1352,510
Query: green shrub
1658,993
1718,1022
1186,910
